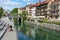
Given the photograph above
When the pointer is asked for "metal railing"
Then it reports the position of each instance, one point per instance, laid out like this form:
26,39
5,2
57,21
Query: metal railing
3,29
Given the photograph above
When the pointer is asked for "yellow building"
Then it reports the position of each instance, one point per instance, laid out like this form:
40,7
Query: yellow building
20,10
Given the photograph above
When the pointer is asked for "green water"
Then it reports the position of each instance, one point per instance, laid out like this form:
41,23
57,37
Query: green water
38,32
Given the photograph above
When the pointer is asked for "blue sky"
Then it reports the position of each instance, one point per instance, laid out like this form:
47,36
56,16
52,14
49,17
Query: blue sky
10,4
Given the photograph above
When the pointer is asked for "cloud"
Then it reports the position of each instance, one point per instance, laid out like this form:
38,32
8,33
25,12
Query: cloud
26,0
5,7
8,7
29,0
8,4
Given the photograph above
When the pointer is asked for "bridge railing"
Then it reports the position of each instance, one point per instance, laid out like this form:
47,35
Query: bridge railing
3,29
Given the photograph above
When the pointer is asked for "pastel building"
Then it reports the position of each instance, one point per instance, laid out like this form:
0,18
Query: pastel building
33,10
54,9
41,9
28,10
49,9
20,10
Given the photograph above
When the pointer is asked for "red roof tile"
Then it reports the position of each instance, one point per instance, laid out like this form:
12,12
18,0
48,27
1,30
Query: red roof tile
41,3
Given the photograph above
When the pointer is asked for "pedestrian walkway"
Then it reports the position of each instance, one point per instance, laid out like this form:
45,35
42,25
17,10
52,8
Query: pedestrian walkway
10,35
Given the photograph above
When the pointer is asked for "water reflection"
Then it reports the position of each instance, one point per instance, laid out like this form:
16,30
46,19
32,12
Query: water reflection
21,36
37,32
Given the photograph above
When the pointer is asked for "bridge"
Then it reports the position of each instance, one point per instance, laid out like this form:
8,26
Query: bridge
5,34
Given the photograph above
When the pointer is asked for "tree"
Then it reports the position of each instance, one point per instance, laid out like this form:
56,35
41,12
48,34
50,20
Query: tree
24,15
1,11
14,12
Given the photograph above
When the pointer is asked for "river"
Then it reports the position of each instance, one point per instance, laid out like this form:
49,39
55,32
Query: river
32,32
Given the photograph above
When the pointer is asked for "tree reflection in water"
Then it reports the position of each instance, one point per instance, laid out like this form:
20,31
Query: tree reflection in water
40,34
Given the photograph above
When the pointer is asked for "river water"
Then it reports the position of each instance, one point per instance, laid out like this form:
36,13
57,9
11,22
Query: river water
34,32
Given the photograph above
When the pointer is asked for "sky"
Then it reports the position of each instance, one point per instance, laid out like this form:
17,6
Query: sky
10,4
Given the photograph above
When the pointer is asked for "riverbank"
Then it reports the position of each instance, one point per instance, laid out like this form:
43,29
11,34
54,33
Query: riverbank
47,25
38,32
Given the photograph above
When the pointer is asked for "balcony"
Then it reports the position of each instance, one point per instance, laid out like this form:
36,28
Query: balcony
44,9
30,12
53,9
55,14
38,10
54,3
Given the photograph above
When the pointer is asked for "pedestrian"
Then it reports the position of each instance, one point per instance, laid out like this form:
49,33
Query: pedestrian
20,21
10,28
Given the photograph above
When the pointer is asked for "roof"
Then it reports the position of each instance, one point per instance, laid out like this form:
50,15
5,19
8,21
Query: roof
41,3
54,2
37,4
22,8
48,0
32,5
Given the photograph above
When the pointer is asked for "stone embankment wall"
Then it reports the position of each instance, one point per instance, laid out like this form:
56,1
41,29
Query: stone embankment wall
47,25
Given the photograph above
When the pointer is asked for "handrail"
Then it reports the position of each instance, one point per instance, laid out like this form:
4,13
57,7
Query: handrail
3,31
2,34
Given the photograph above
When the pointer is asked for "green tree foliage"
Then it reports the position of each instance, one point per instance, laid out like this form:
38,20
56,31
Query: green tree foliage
24,15
1,11
14,12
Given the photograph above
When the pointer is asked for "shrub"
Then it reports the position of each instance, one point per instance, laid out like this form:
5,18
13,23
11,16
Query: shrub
32,20
44,20
58,23
40,21
28,19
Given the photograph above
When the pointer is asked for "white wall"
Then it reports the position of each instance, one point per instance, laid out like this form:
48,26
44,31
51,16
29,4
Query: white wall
59,11
33,11
19,11
27,9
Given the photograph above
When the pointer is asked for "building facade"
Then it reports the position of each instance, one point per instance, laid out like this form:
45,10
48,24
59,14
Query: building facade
32,10
41,9
54,9
20,10
46,9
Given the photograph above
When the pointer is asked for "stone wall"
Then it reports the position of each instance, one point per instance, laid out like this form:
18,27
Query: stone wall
47,25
